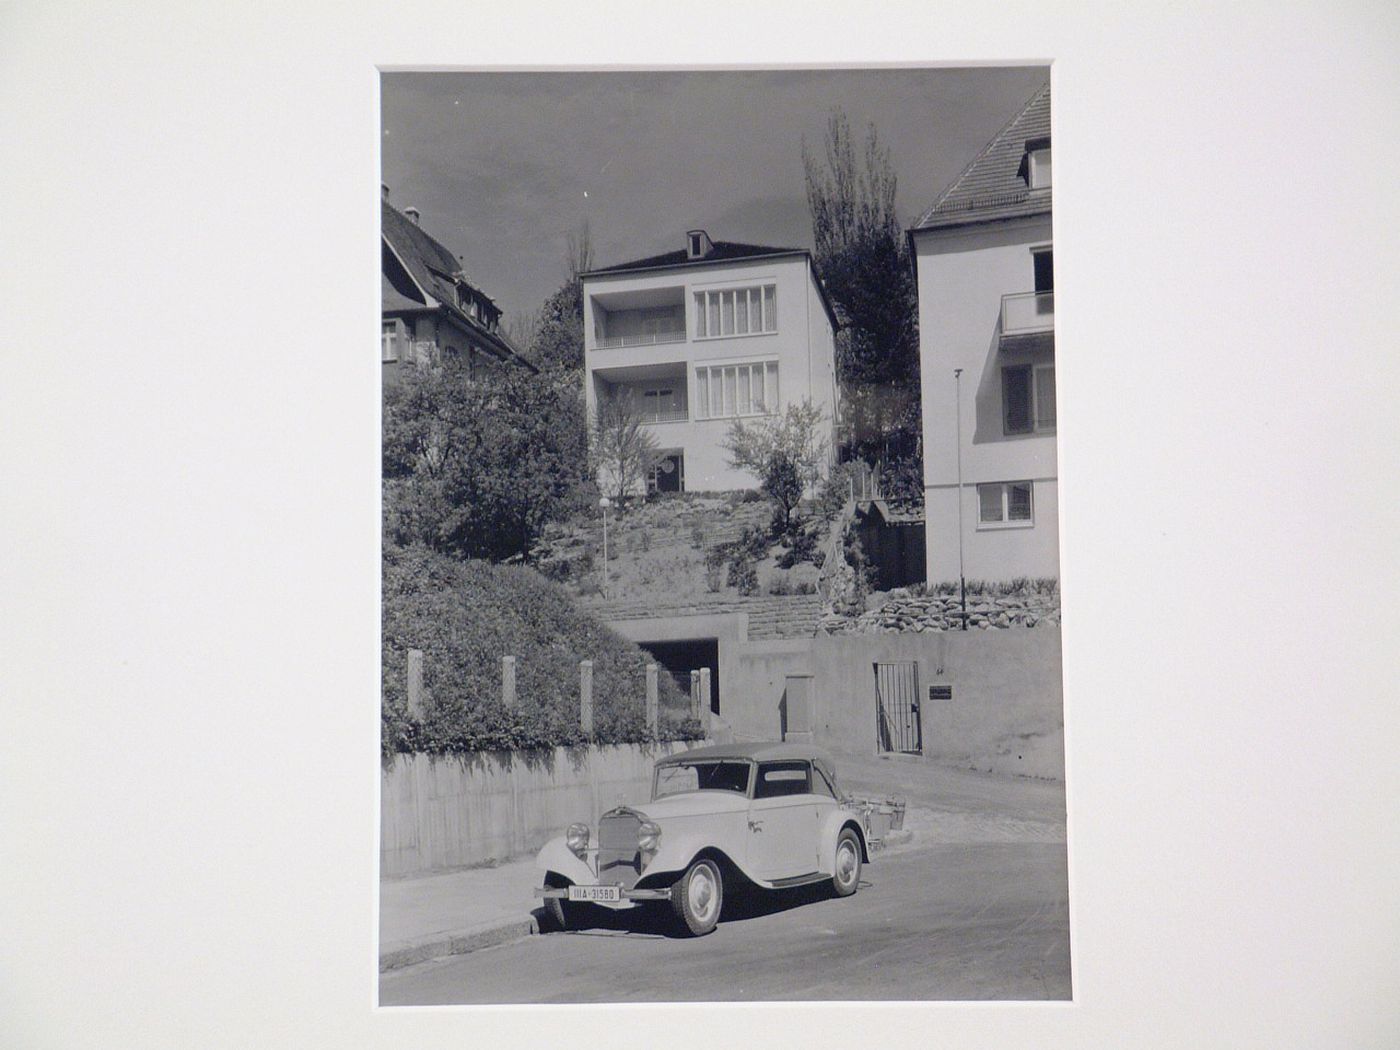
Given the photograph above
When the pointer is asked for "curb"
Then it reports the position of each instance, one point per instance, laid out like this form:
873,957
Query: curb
456,942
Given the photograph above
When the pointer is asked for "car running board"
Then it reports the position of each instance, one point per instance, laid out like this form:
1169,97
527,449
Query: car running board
799,880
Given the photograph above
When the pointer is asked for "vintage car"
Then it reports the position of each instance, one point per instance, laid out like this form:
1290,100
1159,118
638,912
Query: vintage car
720,818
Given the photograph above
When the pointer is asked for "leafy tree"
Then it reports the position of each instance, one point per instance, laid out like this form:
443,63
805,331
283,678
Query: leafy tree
557,338
863,258
476,467
783,484
785,453
623,448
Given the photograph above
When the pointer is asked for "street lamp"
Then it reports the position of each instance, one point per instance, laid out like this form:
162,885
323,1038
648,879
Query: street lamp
962,581
605,503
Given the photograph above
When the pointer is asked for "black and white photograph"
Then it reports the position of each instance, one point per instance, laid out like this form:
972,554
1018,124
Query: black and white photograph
721,560
556,525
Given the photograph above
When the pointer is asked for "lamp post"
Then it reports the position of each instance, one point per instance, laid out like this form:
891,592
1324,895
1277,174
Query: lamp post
605,503
957,414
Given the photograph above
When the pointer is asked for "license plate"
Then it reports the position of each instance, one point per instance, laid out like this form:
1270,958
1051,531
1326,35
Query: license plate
595,893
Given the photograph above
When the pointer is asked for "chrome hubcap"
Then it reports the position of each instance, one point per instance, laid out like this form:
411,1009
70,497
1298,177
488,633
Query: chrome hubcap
702,893
846,862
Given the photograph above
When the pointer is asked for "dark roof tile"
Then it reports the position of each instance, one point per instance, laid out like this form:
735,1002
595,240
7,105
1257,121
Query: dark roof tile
993,186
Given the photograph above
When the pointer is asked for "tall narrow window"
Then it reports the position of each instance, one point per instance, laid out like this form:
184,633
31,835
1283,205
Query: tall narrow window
737,390
1016,400
736,311
1045,397
1044,270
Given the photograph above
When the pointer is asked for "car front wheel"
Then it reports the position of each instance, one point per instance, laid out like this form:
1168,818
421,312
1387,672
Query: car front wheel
697,897
845,877
559,909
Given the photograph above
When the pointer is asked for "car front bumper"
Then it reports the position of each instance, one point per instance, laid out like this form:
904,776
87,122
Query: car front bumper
562,893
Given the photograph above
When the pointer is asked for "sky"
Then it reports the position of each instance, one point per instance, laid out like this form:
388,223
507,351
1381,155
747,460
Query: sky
503,166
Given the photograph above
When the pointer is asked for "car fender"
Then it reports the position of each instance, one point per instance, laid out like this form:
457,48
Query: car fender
679,850
831,827
556,856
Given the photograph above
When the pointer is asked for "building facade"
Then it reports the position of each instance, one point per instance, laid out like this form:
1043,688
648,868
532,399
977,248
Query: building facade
985,268
431,312
701,337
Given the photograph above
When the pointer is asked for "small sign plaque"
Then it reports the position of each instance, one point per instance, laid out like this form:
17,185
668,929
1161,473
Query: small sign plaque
940,692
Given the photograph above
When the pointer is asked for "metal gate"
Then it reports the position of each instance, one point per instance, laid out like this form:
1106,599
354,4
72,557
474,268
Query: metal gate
897,723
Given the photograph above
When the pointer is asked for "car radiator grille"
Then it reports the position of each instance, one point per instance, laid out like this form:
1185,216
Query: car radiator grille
618,860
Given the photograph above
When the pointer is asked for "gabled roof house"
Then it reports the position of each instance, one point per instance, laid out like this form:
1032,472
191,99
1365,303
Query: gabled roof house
431,310
984,259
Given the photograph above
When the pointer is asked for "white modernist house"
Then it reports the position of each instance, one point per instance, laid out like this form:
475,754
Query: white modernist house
703,336
985,270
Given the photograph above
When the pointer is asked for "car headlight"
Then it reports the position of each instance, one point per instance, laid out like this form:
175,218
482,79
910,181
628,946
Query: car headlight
576,838
649,836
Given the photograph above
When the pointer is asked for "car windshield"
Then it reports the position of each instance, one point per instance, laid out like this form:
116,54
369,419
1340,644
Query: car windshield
674,778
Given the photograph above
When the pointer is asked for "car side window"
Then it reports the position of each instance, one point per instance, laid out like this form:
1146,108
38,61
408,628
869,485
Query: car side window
821,785
776,779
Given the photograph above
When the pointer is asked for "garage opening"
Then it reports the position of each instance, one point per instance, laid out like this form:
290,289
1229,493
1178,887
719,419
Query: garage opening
679,658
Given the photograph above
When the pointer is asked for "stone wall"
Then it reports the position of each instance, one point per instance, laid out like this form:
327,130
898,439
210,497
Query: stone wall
902,611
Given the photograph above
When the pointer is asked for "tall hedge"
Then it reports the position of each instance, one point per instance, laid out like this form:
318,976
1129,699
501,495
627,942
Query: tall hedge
466,615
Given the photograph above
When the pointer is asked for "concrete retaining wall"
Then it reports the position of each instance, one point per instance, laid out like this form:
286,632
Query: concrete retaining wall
1007,710
444,812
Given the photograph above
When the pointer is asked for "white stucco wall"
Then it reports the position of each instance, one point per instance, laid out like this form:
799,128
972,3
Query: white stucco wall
803,346
962,276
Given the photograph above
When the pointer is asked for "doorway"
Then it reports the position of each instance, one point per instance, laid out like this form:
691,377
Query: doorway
668,474
681,657
898,722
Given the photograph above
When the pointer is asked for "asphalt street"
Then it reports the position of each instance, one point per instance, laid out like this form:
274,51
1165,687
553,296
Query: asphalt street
965,921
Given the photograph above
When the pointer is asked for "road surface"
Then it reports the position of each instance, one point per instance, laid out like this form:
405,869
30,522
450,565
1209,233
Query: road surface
975,920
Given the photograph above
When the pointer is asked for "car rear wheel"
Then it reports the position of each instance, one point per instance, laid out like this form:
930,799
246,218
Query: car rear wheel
845,873
697,896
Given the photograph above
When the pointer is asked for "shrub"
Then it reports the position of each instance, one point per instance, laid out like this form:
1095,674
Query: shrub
803,548
835,491
465,616
780,585
743,575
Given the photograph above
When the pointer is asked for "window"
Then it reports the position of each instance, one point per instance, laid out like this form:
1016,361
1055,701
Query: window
1005,504
776,779
392,341
723,391
1028,398
662,405
1044,269
675,778
736,311
1038,164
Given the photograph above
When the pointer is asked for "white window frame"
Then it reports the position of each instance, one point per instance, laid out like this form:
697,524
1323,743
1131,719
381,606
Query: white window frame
392,335
1005,522
706,375
1038,176
709,303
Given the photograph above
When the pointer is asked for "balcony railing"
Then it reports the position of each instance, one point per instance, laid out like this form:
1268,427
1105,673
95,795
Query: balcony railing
1027,313
642,339
670,415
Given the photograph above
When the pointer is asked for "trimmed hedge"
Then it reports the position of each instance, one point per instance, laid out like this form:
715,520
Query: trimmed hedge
466,615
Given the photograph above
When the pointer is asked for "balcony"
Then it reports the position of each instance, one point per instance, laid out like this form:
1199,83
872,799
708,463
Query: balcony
606,342
1027,313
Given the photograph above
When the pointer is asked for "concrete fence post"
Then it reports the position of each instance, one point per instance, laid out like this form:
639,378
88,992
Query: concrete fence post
651,699
705,700
695,694
508,681
415,682
585,694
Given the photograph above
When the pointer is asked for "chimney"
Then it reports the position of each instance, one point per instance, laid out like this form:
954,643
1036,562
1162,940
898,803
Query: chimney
384,191
697,244
412,213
